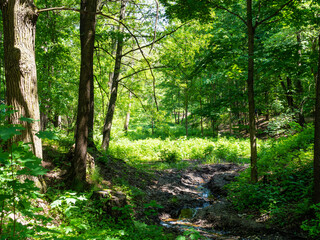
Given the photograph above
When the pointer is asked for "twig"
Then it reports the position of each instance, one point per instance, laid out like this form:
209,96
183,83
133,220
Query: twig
141,70
274,14
141,51
155,25
133,95
165,35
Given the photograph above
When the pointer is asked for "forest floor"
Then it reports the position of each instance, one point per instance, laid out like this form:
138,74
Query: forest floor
188,199
187,204
195,199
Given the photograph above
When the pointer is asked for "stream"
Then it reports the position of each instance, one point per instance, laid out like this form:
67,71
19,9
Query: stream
195,199
184,221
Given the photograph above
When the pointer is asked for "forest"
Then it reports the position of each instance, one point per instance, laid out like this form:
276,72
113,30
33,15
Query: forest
160,119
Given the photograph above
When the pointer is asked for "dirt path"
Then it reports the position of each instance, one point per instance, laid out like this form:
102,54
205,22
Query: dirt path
186,203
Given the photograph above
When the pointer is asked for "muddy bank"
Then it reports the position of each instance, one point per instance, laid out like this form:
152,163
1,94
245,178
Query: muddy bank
187,204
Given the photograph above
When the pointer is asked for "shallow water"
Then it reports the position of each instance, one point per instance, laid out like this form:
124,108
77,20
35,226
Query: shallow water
184,222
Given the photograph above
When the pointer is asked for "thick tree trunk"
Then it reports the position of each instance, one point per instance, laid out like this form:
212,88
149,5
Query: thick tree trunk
91,116
250,85
114,89
87,36
127,120
19,25
316,163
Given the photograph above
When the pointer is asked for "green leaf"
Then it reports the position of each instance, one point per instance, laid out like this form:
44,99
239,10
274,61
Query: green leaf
71,200
47,134
8,132
181,238
4,196
56,203
28,120
68,229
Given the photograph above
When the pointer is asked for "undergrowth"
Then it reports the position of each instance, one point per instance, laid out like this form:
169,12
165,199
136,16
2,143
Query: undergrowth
58,214
171,153
283,192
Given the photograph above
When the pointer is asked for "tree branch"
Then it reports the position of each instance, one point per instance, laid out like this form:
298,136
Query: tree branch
141,51
155,25
165,35
58,9
274,14
139,71
233,13
133,95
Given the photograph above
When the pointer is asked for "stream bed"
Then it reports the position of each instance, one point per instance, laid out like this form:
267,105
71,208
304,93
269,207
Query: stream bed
185,223
195,199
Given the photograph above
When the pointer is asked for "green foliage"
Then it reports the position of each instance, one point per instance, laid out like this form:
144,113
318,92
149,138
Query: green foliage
19,168
171,151
281,124
85,218
283,191
312,226
170,156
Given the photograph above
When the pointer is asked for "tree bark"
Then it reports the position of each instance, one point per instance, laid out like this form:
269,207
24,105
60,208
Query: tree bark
87,36
316,162
19,25
250,85
186,109
115,82
201,118
127,120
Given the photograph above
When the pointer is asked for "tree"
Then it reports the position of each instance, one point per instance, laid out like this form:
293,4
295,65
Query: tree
19,25
115,81
256,15
85,104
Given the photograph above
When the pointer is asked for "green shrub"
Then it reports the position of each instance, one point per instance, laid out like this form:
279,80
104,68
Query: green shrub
312,226
18,193
284,188
170,156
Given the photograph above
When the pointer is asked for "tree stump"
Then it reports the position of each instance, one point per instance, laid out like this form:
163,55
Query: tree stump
113,203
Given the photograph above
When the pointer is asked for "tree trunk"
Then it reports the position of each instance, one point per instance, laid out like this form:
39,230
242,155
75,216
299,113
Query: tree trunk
316,163
213,128
114,89
19,25
87,36
288,92
91,116
178,116
127,120
186,108
201,118
250,85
